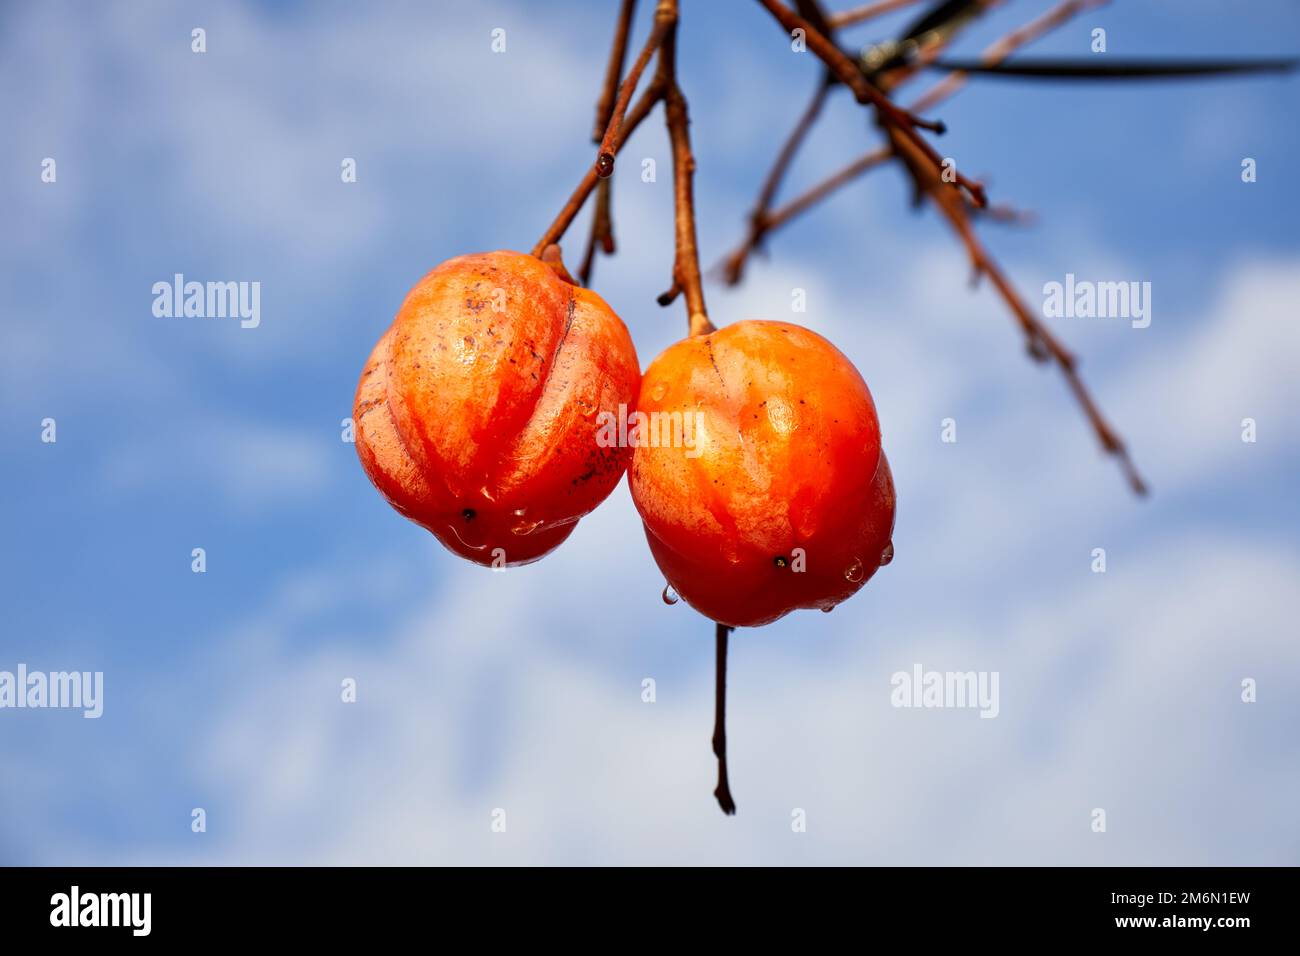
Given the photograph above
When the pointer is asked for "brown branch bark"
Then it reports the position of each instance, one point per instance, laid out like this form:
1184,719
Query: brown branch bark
555,231
613,70
602,223
867,11
686,263
733,266
848,73
665,21
1039,340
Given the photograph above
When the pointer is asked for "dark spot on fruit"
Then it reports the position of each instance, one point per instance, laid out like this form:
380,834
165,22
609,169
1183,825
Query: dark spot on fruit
468,514
780,561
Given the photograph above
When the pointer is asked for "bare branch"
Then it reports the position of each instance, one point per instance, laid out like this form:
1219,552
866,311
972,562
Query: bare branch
1039,340
686,265
555,231
866,12
848,73
734,265
1003,48
665,20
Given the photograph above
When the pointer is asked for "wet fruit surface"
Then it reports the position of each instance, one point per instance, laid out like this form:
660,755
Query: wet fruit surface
786,499
476,413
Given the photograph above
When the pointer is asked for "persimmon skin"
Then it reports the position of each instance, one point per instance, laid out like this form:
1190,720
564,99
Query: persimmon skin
476,412
787,456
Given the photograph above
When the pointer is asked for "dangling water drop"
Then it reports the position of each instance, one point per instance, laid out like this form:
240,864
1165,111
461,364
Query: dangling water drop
669,595
827,608
887,555
605,165
854,571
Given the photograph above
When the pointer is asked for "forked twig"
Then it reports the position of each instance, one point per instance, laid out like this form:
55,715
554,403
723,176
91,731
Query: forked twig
866,92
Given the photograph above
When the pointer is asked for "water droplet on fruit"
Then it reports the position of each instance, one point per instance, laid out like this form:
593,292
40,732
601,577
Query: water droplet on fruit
854,571
659,391
887,555
669,595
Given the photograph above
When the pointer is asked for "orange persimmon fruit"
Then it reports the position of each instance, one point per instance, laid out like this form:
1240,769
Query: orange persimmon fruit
784,498
476,412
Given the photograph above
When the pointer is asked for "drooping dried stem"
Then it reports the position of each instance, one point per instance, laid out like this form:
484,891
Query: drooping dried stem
1003,48
639,111
733,266
867,11
1039,340
848,73
665,21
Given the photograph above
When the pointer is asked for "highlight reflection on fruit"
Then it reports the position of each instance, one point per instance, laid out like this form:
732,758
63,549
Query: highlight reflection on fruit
785,500
475,411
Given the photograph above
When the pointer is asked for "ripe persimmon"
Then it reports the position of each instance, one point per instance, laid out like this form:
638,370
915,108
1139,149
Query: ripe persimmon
476,412
785,499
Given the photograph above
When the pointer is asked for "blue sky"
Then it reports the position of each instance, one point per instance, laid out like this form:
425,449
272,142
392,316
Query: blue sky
522,690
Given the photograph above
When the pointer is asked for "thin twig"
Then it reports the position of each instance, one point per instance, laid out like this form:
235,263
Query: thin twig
555,231
848,73
602,223
733,265
1039,340
867,11
664,22
723,791
602,233
1003,48
613,70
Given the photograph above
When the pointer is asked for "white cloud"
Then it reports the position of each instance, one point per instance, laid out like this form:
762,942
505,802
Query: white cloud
247,464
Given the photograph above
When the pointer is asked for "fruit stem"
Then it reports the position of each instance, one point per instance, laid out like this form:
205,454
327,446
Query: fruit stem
723,791
686,263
